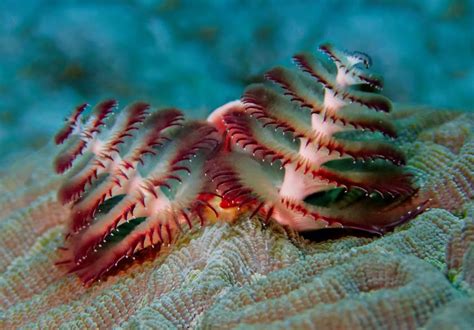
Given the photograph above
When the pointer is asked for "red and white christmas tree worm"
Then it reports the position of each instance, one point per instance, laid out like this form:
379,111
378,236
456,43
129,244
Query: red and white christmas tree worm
139,180
312,148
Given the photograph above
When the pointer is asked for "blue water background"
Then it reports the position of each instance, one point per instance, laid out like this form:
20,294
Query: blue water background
197,55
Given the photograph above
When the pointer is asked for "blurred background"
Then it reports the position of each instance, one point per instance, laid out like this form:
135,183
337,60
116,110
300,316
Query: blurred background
197,55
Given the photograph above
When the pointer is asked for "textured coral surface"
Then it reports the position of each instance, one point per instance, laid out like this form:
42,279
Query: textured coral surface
250,275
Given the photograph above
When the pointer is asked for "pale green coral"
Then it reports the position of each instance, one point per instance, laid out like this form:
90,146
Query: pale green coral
248,274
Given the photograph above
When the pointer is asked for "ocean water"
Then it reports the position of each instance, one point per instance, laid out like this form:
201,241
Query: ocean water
197,55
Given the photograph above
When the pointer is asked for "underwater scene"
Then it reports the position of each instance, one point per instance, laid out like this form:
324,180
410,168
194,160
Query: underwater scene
228,164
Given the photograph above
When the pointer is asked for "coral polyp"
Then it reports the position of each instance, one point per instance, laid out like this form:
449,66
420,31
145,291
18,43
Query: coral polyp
310,149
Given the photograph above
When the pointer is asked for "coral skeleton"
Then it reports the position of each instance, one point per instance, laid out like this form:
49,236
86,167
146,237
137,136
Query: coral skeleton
310,149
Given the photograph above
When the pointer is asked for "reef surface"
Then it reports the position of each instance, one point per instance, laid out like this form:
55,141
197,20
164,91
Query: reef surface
249,275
